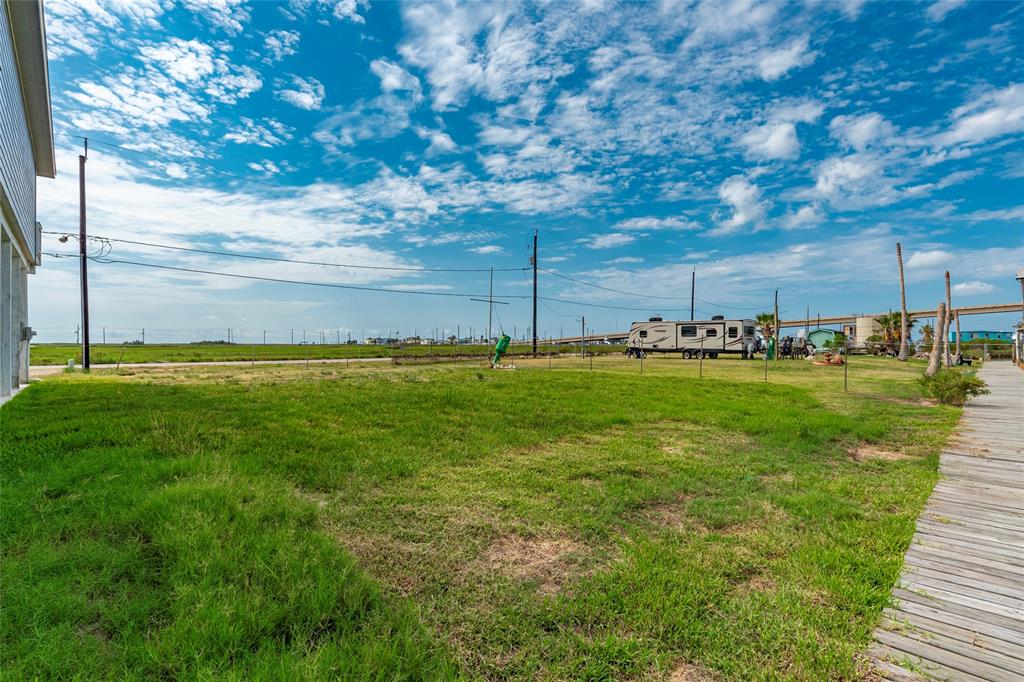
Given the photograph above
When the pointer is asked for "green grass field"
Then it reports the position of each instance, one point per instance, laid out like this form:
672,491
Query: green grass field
60,353
456,522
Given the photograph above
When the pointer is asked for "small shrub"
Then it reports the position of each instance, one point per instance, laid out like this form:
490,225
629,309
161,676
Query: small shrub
952,387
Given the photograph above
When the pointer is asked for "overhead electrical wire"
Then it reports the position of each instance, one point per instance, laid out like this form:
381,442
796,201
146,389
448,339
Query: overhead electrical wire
281,280
235,254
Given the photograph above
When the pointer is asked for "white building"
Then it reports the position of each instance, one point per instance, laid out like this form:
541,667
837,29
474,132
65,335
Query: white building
26,152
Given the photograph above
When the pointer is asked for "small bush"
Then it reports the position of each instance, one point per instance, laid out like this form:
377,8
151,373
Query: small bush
952,387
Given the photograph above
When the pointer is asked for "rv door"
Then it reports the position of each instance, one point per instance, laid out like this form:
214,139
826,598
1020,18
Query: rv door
713,335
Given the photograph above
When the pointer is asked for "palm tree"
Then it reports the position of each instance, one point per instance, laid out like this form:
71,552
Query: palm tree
927,332
766,321
889,323
935,360
904,327
945,326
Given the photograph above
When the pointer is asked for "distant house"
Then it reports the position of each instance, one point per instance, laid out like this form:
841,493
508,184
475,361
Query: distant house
985,335
26,152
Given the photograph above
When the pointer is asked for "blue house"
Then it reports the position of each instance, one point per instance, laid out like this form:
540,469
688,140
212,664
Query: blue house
982,336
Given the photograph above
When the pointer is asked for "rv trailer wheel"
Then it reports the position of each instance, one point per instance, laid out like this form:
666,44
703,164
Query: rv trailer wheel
686,355
714,356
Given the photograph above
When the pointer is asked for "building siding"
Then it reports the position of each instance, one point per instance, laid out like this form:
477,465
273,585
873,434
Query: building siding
17,168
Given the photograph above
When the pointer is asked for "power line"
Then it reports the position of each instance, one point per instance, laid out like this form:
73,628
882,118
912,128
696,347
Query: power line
280,280
234,254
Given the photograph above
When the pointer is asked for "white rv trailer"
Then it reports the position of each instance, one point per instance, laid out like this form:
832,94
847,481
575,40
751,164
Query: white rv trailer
691,337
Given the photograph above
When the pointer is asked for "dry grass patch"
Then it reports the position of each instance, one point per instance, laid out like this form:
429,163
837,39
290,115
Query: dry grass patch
687,672
866,451
757,583
551,562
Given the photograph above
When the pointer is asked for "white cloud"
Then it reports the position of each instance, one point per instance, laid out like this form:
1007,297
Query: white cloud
393,77
308,93
265,167
853,182
772,141
993,114
652,223
183,60
176,171
1015,213
487,249
973,287
624,260
806,216
230,15
85,27
747,206
938,10
861,132
773,64
440,141
483,48
268,132
380,118
929,259
280,43
345,10
609,241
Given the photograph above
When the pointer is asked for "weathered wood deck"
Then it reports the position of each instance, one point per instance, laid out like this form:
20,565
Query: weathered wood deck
959,603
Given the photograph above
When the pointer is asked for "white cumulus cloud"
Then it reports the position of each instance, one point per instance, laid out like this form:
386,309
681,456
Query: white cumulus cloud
973,287
307,93
772,141
929,259
747,206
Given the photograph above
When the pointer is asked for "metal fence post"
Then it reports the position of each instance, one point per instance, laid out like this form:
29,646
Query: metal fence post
700,363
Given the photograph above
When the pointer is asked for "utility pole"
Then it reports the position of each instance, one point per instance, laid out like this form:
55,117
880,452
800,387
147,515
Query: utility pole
78,336
82,254
293,337
143,336
776,325
583,333
534,261
104,336
693,290
490,305
264,337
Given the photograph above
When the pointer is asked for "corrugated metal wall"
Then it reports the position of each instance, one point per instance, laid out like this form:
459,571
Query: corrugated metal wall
17,169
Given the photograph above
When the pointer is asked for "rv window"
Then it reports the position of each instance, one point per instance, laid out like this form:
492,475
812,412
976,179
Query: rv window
688,330
710,332
734,332
643,333
748,331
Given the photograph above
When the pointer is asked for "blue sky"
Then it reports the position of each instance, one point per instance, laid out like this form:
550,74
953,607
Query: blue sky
767,145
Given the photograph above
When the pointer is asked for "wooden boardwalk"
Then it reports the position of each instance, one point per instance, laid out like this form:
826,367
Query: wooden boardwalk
958,609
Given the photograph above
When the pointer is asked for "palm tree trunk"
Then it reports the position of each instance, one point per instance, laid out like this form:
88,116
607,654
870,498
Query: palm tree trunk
956,318
945,327
935,359
904,330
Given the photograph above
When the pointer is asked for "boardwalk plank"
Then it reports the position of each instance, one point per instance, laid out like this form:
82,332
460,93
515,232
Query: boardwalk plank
959,601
